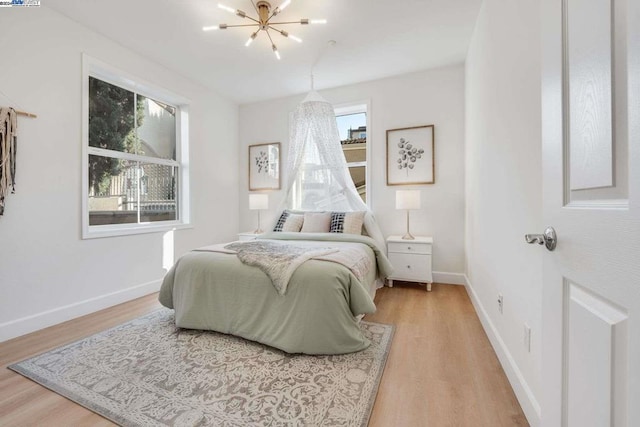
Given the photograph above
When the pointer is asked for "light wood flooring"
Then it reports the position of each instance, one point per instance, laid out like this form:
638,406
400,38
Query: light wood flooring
441,370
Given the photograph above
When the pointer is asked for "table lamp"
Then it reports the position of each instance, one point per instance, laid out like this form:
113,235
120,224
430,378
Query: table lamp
258,202
408,199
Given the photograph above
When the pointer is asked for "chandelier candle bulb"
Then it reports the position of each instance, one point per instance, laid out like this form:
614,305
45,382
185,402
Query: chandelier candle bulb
227,8
251,39
284,5
318,21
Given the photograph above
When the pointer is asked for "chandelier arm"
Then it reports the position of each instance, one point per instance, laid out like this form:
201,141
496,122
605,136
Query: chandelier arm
243,25
273,45
270,39
276,10
252,19
275,29
288,22
286,34
274,13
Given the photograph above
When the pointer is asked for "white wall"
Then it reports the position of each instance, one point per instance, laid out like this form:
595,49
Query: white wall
429,97
47,272
504,188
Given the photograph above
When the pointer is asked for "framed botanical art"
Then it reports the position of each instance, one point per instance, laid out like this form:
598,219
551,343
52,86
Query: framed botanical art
264,166
410,158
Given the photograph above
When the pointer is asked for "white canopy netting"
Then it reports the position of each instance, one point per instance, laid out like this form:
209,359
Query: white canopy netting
319,178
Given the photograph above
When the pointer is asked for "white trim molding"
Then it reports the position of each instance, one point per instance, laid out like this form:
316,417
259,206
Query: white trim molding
448,278
35,322
521,388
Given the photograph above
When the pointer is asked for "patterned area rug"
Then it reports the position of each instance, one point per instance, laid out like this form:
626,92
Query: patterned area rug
149,373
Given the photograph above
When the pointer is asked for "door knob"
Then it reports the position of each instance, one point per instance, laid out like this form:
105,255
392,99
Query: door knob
548,238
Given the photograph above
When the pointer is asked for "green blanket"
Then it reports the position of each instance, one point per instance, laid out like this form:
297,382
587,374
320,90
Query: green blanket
317,315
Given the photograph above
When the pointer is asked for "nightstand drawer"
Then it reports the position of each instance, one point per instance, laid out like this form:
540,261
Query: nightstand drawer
416,267
409,248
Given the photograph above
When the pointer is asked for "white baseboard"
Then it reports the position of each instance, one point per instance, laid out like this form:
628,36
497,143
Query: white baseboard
35,322
448,278
528,402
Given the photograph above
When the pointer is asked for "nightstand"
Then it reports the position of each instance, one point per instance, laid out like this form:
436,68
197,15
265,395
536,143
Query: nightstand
248,235
411,259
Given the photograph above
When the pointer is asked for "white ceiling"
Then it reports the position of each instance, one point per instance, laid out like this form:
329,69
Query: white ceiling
375,39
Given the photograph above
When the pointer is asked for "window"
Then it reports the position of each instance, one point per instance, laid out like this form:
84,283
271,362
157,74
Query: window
352,125
135,140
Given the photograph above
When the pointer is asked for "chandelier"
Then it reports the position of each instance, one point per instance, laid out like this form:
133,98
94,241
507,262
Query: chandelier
264,22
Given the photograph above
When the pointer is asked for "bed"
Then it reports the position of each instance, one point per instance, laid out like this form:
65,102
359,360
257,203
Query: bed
319,312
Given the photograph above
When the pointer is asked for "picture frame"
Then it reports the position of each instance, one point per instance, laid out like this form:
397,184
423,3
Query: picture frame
410,155
264,166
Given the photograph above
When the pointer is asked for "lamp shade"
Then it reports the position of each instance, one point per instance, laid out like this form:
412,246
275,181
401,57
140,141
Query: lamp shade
258,201
407,199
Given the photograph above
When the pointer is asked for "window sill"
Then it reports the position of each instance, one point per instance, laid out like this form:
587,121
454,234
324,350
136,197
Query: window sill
100,231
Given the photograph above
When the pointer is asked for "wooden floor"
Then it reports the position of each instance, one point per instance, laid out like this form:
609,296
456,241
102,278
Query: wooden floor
441,370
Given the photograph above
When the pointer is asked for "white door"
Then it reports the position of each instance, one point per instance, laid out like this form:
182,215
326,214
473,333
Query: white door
591,169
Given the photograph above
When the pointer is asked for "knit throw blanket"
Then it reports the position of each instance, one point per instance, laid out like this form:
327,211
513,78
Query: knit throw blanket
277,260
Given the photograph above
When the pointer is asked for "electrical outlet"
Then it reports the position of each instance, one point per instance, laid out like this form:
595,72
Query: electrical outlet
527,338
500,303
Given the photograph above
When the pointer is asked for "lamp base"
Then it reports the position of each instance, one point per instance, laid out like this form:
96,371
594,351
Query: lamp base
407,235
258,230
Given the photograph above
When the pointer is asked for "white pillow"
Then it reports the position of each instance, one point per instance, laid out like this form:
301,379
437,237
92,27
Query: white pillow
316,222
293,223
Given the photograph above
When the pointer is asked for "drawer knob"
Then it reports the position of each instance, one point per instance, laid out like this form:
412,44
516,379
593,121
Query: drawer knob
409,248
408,266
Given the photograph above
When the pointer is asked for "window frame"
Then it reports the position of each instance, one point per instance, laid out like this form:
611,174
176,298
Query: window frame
355,107
92,67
